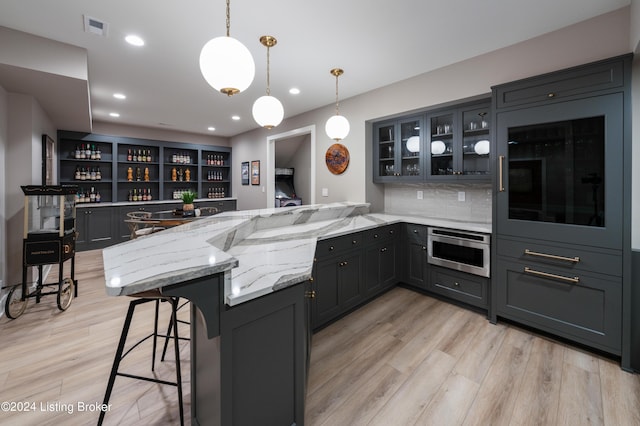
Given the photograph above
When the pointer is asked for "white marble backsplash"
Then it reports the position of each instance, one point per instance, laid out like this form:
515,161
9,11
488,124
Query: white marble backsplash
440,200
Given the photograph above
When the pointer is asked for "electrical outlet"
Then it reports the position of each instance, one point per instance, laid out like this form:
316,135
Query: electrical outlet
461,195
325,192
420,195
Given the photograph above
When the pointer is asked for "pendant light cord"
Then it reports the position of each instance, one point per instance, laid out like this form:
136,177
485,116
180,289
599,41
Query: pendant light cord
268,77
337,103
228,17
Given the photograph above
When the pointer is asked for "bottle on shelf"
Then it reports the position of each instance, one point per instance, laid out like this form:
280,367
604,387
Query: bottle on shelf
92,175
98,153
77,153
146,174
130,174
92,195
98,197
148,156
77,173
174,175
134,156
98,173
187,175
92,152
129,155
87,152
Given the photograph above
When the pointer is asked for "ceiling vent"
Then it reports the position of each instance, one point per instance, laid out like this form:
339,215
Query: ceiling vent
95,26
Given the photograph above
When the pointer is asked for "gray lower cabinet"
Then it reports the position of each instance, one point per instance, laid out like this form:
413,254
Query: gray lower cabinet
578,306
381,256
95,228
248,362
467,288
415,266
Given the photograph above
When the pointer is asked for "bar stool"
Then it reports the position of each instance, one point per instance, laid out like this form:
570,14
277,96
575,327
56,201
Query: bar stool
141,298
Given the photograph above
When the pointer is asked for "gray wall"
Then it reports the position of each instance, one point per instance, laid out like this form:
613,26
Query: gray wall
4,135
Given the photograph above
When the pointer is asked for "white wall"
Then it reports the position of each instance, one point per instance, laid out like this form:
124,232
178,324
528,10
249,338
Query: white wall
4,134
23,156
598,38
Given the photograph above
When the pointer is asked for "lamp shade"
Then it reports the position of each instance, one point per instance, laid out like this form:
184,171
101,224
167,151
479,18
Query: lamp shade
268,111
337,127
227,65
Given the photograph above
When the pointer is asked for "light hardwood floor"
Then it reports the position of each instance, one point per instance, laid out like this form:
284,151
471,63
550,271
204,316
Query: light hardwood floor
403,359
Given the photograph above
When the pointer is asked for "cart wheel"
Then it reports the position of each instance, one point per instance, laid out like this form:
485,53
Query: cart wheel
15,306
65,294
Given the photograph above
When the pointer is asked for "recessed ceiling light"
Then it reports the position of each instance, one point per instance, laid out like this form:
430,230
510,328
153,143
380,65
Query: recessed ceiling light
119,96
294,91
235,117
134,40
211,128
114,114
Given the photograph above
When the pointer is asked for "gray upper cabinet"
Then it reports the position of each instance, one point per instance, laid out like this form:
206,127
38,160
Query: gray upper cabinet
452,144
398,150
459,143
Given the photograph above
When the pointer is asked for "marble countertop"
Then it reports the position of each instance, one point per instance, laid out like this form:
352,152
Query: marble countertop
259,251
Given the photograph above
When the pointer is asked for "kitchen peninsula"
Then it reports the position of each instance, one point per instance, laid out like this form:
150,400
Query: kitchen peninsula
249,321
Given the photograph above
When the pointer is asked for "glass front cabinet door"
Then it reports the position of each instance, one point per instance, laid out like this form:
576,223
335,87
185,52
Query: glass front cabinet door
398,150
459,144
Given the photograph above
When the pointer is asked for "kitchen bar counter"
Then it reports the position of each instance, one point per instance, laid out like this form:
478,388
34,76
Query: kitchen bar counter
260,251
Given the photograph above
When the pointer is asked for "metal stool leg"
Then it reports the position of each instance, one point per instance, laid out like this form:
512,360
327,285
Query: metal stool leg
118,356
120,353
168,336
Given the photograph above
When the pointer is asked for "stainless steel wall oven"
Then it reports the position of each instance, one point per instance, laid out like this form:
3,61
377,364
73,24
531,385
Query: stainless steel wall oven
460,250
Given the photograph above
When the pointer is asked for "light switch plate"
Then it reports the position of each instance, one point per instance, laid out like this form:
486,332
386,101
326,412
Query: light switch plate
461,195
325,192
420,195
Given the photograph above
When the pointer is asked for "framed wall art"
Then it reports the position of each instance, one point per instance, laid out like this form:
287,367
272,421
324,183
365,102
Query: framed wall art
244,172
255,172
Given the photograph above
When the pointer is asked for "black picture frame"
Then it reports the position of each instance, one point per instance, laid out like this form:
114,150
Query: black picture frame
244,172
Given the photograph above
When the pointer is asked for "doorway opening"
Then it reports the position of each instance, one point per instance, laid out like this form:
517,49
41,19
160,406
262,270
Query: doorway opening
293,149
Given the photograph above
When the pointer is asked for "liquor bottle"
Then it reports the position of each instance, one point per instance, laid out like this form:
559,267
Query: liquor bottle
98,174
87,152
82,151
98,153
140,157
135,156
135,195
130,196
138,174
174,158
149,197
77,174
148,156
98,197
92,195
129,155
92,152
77,153
92,175
83,174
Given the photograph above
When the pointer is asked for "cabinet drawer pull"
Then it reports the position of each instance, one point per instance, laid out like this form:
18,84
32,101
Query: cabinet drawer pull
330,247
344,263
457,284
375,235
415,231
572,280
311,279
310,294
424,248
391,232
551,95
383,249
574,259
354,242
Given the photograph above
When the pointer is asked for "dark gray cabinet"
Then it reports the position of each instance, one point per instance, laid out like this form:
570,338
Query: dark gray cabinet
415,266
381,259
95,228
562,204
459,143
337,278
467,288
398,150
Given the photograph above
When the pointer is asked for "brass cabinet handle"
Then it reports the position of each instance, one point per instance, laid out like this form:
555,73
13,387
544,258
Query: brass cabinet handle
574,259
375,235
500,177
345,263
383,249
310,294
424,247
311,279
572,280
330,247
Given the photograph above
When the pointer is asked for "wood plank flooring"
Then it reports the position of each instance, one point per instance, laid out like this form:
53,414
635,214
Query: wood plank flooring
403,359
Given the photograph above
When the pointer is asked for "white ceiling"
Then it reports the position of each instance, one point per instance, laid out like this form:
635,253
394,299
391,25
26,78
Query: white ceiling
375,42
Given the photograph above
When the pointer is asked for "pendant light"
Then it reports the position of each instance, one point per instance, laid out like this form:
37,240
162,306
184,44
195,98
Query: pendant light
337,126
267,110
226,64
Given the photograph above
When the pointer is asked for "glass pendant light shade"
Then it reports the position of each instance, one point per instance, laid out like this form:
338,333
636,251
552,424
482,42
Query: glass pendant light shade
337,127
268,111
227,65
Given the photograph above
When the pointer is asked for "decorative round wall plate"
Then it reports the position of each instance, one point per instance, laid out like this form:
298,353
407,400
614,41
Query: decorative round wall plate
337,158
